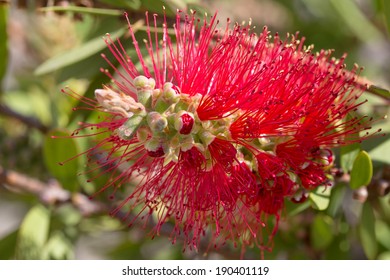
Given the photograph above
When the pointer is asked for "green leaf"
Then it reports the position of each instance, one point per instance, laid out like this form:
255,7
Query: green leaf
367,232
361,172
377,145
156,6
57,148
382,231
129,4
384,206
356,20
319,198
8,245
33,233
379,91
384,256
321,232
75,55
82,10
68,215
4,40
58,247
385,9
336,199
348,155
294,208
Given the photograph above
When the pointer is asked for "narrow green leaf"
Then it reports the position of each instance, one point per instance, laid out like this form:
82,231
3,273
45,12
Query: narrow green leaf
320,198
385,9
33,233
336,199
294,208
83,10
348,155
355,19
8,245
57,150
350,152
156,6
321,232
129,4
75,55
4,40
367,232
361,172
381,92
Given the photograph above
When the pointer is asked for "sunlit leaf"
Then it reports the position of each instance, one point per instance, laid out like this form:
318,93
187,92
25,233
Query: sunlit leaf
57,150
58,247
367,231
4,40
75,55
356,20
82,10
33,233
384,256
377,146
361,172
320,198
321,232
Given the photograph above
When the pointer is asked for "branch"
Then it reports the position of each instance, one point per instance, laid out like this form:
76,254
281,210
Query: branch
53,194
27,120
48,193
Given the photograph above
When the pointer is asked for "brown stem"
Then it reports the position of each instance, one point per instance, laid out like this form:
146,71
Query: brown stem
27,120
48,193
52,193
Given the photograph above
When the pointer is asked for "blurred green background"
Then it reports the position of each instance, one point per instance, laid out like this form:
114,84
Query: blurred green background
45,212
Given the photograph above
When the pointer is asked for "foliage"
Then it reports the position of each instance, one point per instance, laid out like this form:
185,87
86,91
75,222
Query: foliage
349,220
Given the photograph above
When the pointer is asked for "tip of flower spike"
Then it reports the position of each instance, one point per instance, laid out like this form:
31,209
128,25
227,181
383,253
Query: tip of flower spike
142,82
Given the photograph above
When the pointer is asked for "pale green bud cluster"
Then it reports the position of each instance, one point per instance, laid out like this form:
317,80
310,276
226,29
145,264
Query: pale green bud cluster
164,120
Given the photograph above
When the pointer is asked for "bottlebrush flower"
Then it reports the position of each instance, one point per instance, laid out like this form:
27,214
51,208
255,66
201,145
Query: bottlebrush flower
219,126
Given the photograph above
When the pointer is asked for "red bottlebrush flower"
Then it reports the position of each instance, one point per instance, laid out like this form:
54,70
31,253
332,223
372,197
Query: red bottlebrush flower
219,127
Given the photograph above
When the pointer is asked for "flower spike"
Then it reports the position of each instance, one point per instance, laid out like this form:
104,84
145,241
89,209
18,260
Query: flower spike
220,126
